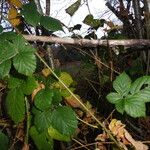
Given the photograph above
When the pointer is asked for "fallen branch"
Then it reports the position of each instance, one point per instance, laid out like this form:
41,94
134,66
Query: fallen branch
87,42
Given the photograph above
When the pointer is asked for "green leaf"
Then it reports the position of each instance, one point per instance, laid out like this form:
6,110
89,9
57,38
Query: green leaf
22,45
30,13
73,8
5,68
95,23
8,36
29,85
114,97
25,63
50,23
14,82
15,105
42,120
122,84
64,120
54,134
43,99
7,51
57,98
1,29
138,83
3,141
120,106
135,107
41,140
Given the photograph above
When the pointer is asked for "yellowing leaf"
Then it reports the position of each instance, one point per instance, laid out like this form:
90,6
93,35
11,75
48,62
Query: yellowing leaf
55,134
66,78
12,14
16,3
13,17
15,22
46,72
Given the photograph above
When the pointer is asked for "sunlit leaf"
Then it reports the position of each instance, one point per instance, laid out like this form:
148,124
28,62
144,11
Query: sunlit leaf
73,8
54,134
64,120
15,105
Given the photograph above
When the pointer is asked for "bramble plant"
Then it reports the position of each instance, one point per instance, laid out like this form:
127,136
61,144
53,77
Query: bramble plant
130,97
34,102
30,98
43,113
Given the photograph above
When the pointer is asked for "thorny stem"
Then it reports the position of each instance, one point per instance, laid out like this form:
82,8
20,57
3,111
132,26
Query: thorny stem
93,116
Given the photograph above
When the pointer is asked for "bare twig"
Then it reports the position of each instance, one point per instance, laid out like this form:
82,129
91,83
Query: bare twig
87,42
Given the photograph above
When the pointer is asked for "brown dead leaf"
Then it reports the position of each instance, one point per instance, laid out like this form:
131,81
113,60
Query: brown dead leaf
102,137
71,101
137,144
117,128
